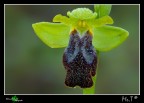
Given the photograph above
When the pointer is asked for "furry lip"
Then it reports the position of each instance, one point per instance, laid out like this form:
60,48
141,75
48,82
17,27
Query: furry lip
80,60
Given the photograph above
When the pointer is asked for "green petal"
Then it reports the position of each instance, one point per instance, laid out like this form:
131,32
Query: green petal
62,19
55,35
102,10
102,21
108,37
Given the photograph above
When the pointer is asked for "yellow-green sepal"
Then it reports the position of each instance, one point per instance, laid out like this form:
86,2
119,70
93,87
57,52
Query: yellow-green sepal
55,35
107,37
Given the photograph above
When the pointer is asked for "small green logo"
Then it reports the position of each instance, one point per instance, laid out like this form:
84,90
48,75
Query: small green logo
14,99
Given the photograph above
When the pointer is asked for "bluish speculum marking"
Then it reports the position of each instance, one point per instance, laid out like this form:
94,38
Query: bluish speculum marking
80,60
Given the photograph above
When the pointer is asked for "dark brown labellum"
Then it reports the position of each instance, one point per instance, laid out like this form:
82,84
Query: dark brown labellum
80,60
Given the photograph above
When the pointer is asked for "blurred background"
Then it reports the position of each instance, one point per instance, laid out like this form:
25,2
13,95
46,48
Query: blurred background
31,67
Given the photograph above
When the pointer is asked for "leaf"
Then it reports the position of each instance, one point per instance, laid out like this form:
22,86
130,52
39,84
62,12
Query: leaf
55,35
102,10
108,37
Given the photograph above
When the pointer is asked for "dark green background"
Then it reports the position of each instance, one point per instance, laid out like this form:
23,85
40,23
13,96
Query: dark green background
32,67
